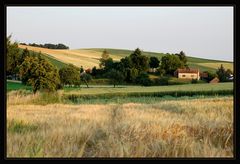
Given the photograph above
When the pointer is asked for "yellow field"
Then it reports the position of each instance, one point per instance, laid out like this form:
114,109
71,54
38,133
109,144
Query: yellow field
194,128
85,58
216,65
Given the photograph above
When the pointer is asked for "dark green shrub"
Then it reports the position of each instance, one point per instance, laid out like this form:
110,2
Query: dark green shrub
162,81
144,79
194,81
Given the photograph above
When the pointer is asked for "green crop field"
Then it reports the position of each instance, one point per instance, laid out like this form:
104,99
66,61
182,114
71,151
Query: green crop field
132,89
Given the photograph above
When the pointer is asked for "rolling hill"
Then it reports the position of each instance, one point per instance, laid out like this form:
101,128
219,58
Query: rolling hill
89,58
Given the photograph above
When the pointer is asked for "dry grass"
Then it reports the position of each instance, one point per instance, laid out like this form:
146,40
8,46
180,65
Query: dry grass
194,128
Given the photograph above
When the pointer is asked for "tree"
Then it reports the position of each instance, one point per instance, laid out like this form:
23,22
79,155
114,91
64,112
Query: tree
104,58
108,64
161,71
40,74
183,58
170,63
131,74
154,62
23,55
144,79
69,75
223,74
13,56
49,45
139,61
85,77
115,76
81,69
94,71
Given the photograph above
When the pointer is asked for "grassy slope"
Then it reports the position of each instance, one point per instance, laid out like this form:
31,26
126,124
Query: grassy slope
54,61
90,57
16,86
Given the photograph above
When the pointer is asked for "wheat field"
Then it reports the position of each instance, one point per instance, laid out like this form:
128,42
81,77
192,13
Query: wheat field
85,58
194,128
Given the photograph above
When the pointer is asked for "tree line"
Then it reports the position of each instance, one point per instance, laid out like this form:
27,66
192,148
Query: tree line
48,45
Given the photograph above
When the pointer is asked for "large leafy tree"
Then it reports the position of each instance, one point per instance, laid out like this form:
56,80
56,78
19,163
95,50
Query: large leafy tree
139,61
143,79
115,76
131,66
39,73
69,75
182,56
13,56
154,62
23,55
105,57
170,63
85,77
223,74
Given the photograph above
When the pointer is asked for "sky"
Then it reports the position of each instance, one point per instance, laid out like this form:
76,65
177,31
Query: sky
205,32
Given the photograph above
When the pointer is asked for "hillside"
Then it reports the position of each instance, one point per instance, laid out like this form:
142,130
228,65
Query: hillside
89,58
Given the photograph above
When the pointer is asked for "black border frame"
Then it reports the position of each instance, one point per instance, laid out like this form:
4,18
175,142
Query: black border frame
183,3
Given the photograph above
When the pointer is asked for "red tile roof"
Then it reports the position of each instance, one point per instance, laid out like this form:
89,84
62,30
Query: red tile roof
187,70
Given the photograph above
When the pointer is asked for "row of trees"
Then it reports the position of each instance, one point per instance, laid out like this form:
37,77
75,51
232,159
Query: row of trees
134,68
48,45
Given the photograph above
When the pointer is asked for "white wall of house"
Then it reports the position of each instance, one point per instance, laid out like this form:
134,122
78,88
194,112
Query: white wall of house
189,76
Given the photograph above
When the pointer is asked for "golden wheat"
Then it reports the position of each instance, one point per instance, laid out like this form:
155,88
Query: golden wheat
85,58
193,128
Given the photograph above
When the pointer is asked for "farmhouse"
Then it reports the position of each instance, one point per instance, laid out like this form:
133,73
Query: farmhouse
187,73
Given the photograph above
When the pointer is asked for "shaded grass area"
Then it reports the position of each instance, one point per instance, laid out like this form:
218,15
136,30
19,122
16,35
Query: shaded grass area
52,60
17,86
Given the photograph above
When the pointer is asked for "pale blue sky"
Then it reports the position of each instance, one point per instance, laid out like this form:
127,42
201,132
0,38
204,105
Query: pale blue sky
205,32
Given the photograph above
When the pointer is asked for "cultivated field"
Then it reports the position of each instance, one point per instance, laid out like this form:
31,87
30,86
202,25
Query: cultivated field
85,58
89,58
216,65
176,128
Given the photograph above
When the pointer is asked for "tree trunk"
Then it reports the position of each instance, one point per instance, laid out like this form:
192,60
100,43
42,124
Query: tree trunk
86,83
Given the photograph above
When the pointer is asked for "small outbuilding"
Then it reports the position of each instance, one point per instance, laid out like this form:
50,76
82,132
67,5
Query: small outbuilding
215,80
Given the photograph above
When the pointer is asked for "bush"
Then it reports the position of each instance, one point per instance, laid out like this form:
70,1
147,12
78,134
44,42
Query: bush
162,81
194,81
144,79
177,81
69,75
100,81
